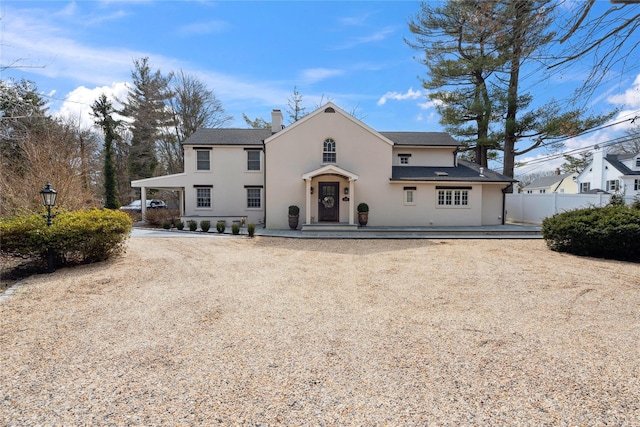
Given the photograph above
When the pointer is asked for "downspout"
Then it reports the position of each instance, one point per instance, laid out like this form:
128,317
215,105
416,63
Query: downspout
264,181
504,201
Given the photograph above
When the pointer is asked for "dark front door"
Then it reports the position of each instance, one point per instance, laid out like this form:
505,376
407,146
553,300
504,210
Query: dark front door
328,201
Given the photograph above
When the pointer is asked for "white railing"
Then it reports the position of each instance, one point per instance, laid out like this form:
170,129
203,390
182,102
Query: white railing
533,208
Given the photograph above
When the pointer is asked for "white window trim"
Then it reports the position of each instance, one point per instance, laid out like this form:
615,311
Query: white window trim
405,195
463,195
334,152
611,183
253,208
204,208
197,161
259,162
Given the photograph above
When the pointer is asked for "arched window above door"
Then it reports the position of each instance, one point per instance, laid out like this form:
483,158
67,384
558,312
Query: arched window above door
329,151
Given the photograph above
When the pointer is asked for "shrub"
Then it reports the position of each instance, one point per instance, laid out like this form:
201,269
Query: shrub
294,210
612,232
616,199
363,207
205,225
166,224
82,236
193,226
221,226
251,229
235,229
157,217
179,225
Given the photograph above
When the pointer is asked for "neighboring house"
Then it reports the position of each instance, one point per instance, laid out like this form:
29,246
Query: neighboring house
557,183
611,173
327,163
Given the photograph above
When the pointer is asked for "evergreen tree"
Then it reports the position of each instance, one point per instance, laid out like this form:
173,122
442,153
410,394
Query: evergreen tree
103,113
146,107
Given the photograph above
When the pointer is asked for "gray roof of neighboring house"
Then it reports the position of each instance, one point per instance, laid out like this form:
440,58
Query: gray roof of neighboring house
228,137
256,136
547,181
421,138
615,160
464,172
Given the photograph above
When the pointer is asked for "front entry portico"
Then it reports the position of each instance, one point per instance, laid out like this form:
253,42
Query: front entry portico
327,194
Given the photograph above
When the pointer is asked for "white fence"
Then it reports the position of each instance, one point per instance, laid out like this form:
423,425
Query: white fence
533,208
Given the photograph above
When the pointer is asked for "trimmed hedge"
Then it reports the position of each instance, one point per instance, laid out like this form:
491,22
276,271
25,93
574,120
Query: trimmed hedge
82,236
611,232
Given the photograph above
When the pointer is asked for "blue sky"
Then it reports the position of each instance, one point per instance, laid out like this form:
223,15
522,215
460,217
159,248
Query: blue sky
252,54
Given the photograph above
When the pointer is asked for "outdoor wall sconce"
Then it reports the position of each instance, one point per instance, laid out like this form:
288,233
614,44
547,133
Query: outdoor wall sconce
311,190
49,200
346,190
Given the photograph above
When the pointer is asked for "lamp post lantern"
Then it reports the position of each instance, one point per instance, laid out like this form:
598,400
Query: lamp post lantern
49,200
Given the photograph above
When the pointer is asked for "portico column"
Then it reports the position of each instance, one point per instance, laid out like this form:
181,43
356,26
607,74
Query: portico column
352,197
143,202
307,209
181,194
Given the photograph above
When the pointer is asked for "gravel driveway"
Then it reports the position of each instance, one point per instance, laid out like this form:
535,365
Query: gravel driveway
272,331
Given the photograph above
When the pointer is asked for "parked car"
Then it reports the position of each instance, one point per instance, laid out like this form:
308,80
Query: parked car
136,205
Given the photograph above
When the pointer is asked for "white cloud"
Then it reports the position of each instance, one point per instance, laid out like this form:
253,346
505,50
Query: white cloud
410,94
200,28
77,104
630,97
313,75
371,38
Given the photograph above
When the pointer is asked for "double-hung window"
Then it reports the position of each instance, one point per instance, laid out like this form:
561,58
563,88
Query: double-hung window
203,197
329,151
585,187
203,160
254,197
613,185
454,197
636,184
253,160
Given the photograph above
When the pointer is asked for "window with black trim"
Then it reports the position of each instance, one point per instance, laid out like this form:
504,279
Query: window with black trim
203,160
636,184
254,197
253,160
585,187
329,151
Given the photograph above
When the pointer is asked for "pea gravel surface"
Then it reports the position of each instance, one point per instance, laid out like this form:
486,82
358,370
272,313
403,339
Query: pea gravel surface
271,331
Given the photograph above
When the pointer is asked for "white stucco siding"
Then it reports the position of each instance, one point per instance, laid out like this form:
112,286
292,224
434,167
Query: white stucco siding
492,204
425,156
228,178
299,150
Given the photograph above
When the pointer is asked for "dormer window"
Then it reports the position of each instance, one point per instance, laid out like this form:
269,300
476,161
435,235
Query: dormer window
329,151
638,162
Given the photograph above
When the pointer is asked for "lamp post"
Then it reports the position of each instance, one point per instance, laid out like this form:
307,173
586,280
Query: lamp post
49,200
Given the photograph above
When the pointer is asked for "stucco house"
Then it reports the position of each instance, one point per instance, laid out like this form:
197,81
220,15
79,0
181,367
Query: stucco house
326,164
611,173
557,183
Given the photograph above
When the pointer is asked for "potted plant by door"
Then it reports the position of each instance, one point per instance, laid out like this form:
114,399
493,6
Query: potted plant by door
294,215
363,213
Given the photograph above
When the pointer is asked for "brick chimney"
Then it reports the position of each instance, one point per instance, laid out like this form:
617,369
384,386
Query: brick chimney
276,121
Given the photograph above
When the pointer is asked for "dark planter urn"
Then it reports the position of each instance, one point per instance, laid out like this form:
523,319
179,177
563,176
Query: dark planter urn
293,221
363,218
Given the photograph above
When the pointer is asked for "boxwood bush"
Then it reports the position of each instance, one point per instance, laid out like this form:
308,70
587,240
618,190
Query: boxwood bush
79,237
611,232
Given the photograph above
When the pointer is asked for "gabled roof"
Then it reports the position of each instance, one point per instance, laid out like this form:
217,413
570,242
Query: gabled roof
616,161
547,181
228,137
464,172
329,107
432,139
